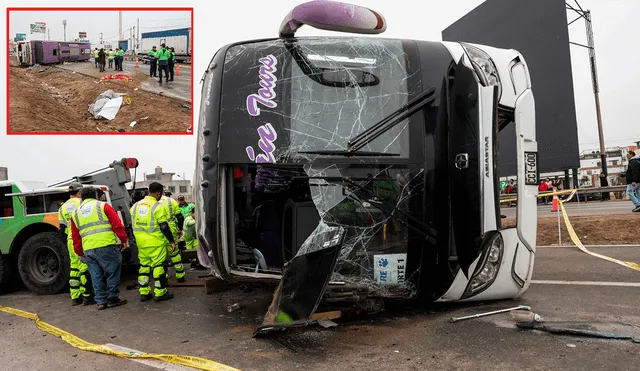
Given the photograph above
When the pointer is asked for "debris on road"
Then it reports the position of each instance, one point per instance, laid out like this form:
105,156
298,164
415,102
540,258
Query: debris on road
118,76
106,105
456,319
42,70
133,123
524,317
571,345
326,323
233,307
611,331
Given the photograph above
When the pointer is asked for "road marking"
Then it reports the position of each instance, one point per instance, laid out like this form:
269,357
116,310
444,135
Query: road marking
161,365
587,283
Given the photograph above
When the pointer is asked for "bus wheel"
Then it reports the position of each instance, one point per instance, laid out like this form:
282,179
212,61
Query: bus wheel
43,263
6,272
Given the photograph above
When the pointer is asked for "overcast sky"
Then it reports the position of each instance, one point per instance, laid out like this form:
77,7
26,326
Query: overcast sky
54,158
94,23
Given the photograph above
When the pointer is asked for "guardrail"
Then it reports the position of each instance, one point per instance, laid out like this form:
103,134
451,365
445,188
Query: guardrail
580,191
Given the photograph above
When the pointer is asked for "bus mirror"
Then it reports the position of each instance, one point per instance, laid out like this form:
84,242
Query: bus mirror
333,16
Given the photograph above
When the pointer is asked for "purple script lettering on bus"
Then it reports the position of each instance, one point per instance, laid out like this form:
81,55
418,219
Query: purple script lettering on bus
266,94
267,136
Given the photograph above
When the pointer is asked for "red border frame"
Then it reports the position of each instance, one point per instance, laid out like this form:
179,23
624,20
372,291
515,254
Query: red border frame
100,133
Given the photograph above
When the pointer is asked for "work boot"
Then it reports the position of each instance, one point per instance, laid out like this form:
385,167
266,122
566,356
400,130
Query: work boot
636,209
75,302
116,302
88,301
167,296
102,306
145,297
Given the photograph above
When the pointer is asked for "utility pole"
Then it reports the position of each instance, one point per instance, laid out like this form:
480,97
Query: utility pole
120,25
586,15
133,40
64,26
48,34
101,41
138,37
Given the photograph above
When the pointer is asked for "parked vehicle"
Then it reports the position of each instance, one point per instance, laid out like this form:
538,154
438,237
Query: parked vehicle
180,39
29,242
362,169
51,52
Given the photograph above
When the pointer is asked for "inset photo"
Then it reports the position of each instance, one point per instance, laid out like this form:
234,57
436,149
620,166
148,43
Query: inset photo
113,71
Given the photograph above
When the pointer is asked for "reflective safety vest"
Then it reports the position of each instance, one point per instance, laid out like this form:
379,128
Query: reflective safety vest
185,210
172,208
163,54
120,53
64,216
190,233
93,225
112,54
95,53
146,215
152,53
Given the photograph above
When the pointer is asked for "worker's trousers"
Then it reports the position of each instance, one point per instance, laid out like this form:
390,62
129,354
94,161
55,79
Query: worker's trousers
152,262
110,62
153,69
176,260
79,277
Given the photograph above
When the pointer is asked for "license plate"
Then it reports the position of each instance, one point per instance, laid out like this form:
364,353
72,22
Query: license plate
531,176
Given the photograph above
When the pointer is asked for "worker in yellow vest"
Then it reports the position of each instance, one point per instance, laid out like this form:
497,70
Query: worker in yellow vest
176,222
81,290
152,233
112,55
95,56
98,236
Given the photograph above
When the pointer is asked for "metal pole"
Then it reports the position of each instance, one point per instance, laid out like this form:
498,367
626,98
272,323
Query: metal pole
119,26
64,27
138,37
559,229
596,89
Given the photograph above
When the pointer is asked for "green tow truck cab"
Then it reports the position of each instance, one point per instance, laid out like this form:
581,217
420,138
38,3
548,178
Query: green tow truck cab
30,246
31,249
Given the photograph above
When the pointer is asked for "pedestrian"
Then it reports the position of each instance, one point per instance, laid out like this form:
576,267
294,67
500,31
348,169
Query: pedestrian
153,62
604,182
176,223
152,232
95,56
102,59
542,189
633,180
112,55
120,54
184,206
163,62
96,229
80,286
172,63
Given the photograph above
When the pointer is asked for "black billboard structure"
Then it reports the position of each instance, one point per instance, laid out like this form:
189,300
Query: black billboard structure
537,29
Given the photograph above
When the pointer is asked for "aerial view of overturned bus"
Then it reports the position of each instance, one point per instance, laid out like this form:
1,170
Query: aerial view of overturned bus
352,170
50,52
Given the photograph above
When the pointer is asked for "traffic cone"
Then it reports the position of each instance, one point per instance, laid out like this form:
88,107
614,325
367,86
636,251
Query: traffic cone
137,62
177,70
554,206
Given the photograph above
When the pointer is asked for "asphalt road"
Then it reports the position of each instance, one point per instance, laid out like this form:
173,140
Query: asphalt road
580,209
179,88
411,338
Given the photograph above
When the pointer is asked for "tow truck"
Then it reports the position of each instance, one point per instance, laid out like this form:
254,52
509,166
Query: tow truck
31,249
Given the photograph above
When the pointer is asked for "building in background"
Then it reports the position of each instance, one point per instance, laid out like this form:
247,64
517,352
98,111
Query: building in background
178,187
4,173
590,165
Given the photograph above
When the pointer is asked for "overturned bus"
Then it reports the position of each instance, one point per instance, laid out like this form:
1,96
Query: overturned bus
358,169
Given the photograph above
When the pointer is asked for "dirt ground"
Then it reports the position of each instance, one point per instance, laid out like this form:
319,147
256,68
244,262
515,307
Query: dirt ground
57,100
592,229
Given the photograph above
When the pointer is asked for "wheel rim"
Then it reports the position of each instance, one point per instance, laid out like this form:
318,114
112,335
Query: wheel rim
44,264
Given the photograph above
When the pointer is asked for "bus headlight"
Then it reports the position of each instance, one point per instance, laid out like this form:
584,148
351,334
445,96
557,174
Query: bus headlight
484,67
490,267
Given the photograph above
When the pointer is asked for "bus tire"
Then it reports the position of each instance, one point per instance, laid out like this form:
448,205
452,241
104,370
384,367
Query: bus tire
43,263
6,273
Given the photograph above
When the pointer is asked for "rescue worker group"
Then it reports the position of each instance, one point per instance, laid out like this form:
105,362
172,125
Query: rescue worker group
95,237
159,61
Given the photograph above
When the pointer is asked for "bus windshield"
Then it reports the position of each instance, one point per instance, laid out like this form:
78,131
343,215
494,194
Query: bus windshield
316,93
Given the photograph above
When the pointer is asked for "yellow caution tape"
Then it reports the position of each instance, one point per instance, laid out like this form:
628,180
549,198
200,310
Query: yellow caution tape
544,195
577,242
189,361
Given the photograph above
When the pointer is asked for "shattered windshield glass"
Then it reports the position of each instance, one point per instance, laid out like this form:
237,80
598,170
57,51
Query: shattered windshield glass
326,117
369,209
281,98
